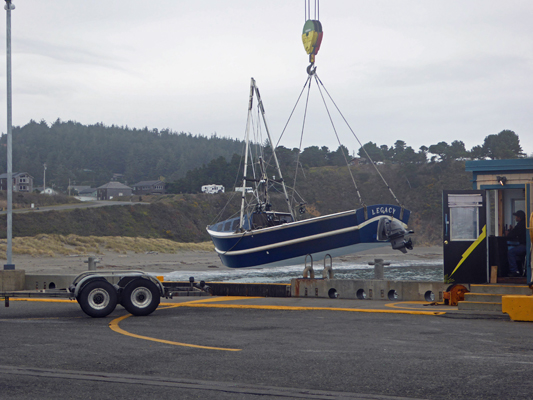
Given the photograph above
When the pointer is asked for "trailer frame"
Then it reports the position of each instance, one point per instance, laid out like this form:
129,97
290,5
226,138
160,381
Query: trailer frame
99,292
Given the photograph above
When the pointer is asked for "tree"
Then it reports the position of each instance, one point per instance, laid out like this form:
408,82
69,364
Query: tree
340,156
374,152
457,150
440,149
505,144
314,156
448,152
403,153
422,154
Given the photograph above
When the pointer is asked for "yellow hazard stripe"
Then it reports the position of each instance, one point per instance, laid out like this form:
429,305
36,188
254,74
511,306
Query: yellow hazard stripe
471,248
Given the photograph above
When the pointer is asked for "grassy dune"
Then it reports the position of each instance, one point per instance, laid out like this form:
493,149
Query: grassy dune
51,245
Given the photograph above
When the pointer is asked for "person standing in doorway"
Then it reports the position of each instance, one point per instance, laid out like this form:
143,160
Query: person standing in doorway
517,234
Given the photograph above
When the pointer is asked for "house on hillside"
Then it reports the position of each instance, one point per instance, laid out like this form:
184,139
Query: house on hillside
117,177
149,187
22,182
74,190
112,190
88,192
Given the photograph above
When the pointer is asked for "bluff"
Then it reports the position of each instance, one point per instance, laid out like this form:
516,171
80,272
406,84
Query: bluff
183,217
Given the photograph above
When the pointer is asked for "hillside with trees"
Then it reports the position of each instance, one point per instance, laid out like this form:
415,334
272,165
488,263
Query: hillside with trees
327,189
505,144
91,154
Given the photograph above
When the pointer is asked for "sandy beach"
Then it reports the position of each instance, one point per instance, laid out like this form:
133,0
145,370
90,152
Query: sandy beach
188,260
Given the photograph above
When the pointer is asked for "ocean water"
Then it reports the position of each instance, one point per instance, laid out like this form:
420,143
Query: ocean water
426,270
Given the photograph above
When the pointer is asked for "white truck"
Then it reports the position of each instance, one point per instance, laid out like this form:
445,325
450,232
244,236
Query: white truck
212,189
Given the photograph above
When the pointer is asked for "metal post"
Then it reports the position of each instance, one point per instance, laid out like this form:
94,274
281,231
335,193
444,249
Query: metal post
9,182
378,264
91,262
44,179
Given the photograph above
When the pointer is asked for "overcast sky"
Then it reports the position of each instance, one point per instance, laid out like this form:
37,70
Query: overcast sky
418,71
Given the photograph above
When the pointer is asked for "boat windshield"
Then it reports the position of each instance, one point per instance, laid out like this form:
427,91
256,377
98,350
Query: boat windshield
229,225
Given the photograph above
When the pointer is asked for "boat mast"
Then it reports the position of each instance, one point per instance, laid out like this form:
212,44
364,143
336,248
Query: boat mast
260,104
250,103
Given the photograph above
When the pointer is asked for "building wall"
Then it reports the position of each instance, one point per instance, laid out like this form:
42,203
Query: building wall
152,189
512,179
112,193
21,183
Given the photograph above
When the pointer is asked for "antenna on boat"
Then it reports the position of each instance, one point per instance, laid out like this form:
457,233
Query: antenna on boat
255,89
250,105
262,108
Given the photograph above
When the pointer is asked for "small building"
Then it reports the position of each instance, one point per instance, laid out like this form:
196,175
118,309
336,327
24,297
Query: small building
88,194
74,190
212,189
149,187
117,177
475,221
112,190
22,182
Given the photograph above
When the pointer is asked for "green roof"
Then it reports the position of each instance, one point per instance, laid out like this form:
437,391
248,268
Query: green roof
481,166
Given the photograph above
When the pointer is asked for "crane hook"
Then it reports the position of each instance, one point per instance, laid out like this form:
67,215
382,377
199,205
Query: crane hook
312,38
311,69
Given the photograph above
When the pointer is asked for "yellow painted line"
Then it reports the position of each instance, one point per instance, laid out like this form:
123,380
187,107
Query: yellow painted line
205,303
115,327
213,299
403,303
290,308
471,248
206,300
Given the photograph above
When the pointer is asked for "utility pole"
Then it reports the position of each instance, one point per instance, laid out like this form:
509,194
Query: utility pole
9,260
44,179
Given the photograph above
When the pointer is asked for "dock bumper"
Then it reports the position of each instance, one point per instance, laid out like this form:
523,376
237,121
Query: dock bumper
519,308
369,289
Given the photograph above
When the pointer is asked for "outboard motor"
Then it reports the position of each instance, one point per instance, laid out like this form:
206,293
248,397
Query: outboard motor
392,230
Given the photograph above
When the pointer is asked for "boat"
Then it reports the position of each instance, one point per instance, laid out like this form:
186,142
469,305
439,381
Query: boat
260,236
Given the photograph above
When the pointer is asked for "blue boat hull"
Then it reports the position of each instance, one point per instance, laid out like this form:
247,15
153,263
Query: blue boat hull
290,243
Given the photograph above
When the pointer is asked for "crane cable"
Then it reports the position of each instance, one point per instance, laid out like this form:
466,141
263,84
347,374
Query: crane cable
319,82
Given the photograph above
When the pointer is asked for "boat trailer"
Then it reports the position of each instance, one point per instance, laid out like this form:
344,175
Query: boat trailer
99,292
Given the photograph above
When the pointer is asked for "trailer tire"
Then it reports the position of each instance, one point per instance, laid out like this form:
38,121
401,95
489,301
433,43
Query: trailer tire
140,297
98,298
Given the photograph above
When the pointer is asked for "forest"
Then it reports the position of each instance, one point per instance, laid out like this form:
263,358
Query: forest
504,145
92,154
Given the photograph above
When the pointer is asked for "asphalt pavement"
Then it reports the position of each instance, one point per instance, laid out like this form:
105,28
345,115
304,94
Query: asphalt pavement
251,348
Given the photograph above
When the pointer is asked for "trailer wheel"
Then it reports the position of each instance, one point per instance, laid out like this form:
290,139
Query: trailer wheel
98,299
140,297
